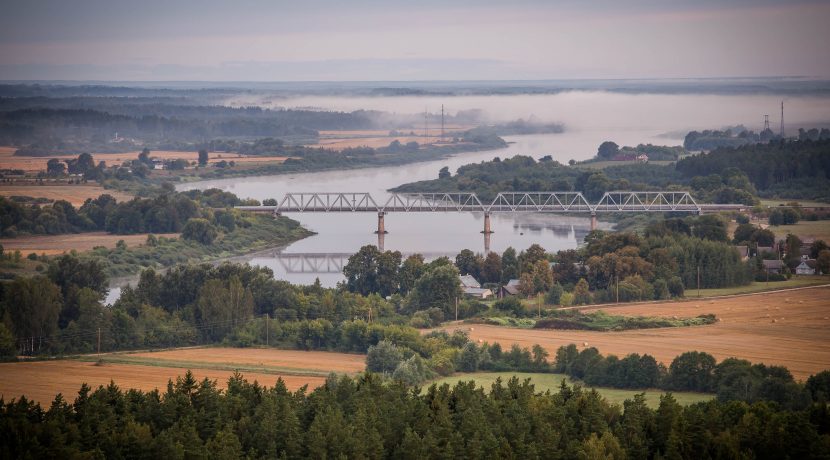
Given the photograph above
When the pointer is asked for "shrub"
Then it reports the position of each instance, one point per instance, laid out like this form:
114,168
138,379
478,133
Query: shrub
201,230
383,357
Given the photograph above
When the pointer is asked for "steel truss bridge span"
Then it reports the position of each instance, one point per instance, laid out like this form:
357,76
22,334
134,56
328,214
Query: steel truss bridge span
555,202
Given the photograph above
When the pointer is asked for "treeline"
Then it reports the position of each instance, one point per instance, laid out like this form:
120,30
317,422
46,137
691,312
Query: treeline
364,417
609,150
524,174
733,137
732,379
787,169
165,213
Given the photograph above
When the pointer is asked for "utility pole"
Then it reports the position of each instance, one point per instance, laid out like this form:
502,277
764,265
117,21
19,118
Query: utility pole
456,308
99,340
539,302
617,281
782,119
698,280
267,330
442,120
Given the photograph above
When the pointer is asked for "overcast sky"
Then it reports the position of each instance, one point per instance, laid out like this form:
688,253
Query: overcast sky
249,40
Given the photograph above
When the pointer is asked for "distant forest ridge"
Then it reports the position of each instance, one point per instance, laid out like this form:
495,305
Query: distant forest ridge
766,85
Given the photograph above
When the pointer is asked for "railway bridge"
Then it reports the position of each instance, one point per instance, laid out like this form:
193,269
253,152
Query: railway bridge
505,202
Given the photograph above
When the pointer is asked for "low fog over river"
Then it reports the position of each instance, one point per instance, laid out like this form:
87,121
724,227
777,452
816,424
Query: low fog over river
589,118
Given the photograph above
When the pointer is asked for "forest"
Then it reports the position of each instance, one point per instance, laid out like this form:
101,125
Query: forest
523,173
366,417
785,169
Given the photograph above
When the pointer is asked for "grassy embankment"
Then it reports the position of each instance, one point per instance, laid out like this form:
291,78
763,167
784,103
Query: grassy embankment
263,232
551,382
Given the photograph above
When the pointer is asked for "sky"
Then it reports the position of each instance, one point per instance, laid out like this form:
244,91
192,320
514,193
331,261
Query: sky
363,40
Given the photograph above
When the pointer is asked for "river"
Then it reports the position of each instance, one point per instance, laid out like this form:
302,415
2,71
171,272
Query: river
590,118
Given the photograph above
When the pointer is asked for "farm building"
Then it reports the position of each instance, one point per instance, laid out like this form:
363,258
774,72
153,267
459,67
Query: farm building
774,266
472,288
511,288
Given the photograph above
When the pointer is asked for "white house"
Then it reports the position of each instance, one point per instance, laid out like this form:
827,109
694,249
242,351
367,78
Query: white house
806,267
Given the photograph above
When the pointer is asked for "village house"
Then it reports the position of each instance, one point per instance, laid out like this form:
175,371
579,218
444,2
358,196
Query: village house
774,266
806,267
472,288
511,288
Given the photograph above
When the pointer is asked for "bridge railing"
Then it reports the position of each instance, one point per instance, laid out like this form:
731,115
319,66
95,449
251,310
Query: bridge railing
432,202
326,202
620,201
540,202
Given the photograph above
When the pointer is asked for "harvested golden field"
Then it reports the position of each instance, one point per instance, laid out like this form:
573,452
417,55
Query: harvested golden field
41,381
75,194
34,164
789,328
58,244
148,370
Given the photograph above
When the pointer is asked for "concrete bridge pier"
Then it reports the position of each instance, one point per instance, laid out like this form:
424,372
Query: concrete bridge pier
593,221
487,230
486,243
381,227
381,238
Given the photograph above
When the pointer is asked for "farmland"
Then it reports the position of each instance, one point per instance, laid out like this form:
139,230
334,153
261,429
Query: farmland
789,328
35,164
42,380
58,244
551,382
75,194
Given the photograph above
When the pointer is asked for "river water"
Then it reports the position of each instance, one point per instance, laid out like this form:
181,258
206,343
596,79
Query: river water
590,118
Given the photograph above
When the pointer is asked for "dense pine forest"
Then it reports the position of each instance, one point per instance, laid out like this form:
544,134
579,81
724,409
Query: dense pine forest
365,417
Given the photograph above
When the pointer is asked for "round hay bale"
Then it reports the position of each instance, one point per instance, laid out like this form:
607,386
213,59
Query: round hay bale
472,329
826,317
584,344
480,341
787,299
774,320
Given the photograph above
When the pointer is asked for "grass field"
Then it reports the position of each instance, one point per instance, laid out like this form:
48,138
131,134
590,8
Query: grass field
42,380
551,382
818,229
790,328
755,287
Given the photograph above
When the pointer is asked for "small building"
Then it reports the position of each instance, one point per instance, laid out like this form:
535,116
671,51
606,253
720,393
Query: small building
774,266
511,288
806,268
642,158
472,288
